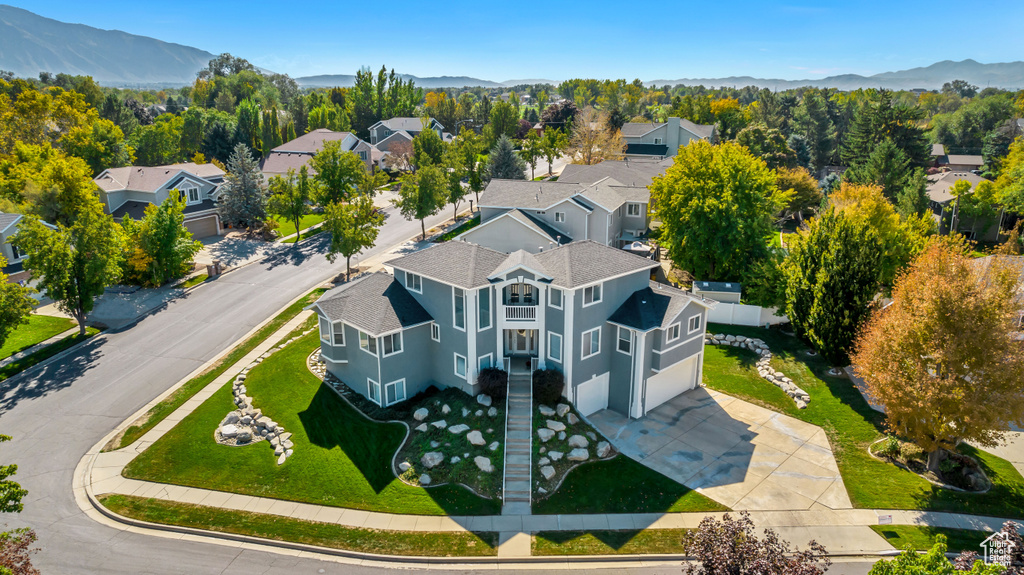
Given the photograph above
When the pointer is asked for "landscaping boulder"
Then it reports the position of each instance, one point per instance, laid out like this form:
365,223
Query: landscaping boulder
484,400
561,409
455,459
476,438
578,441
491,412
478,413
440,424
578,454
544,461
603,449
244,436
465,412
278,450
445,410
572,419
592,436
457,429
281,458
555,425
483,464
228,431
556,455
404,466
421,427
493,446
547,471
561,436
232,418
435,444
432,459
420,414
545,434
245,420
424,479
546,411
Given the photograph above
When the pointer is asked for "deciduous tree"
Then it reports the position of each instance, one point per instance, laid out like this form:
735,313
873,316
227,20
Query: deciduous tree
730,547
934,562
767,144
553,144
166,245
802,189
353,227
427,148
422,194
944,358
289,197
592,142
15,304
338,174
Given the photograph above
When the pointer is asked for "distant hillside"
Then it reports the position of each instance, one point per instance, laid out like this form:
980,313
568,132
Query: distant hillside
30,44
1000,75
349,80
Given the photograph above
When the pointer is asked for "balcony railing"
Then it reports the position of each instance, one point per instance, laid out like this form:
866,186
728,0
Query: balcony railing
520,312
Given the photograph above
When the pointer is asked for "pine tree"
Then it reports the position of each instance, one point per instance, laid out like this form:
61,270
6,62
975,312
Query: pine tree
811,120
889,167
243,198
503,162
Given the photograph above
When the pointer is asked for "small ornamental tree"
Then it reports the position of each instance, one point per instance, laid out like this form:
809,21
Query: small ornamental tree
503,162
944,357
353,227
730,547
16,552
162,249
243,198
553,144
289,197
831,280
422,195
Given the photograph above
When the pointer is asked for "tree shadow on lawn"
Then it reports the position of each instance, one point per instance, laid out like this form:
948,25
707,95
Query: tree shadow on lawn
614,539
38,381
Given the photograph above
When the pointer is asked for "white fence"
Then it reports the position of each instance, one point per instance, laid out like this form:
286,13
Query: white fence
742,314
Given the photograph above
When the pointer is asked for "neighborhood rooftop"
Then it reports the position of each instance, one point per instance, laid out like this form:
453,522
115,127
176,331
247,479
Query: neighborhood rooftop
606,192
461,264
721,287
636,129
585,262
149,179
7,219
939,185
636,173
375,304
655,306
312,142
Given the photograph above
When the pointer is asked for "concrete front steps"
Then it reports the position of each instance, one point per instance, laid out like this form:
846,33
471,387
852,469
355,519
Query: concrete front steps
518,448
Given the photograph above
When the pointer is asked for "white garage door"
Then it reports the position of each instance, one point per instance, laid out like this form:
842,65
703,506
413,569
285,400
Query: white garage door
663,386
592,396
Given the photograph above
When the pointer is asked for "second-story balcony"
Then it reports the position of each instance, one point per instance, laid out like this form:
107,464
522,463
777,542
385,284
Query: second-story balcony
521,312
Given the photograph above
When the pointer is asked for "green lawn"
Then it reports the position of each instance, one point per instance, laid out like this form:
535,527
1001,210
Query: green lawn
287,227
922,538
465,226
852,425
161,410
305,235
441,544
608,542
621,485
39,328
340,459
16,367
193,281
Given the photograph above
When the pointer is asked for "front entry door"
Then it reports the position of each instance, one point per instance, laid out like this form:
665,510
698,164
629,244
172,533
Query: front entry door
520,342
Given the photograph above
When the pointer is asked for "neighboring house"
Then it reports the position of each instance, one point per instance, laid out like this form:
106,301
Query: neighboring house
635,172
10,252
126,192
955,162
298,152
1015,262
450,310
661,140
723,292
543,214
943,206
408,127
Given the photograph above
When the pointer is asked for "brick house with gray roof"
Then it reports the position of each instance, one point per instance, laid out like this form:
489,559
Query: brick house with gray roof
450,310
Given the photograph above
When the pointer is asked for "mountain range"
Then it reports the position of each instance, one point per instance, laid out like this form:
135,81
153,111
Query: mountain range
30,43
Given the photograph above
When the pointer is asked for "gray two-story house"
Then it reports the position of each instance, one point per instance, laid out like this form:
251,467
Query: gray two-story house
385,133
448,311
663,139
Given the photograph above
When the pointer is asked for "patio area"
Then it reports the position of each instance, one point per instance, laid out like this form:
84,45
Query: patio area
737,453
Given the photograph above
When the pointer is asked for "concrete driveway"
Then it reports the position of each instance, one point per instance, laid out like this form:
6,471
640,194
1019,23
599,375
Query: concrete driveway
739,454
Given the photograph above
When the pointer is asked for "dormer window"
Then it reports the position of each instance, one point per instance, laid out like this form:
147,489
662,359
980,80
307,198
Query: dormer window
190,193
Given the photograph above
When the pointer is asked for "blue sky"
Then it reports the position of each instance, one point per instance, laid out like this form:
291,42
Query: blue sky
504,40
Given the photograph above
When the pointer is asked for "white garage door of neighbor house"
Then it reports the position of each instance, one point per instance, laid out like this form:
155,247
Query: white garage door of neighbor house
592,396
678,378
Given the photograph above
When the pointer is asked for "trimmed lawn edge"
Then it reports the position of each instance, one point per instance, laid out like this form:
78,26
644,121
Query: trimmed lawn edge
295,533
193,281
38,329
921,538
33,359
608,542
158,412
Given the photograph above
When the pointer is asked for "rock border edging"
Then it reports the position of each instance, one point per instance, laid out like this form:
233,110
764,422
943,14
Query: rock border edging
764,368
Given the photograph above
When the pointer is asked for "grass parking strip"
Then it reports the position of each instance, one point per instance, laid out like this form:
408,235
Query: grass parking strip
266,526
921,538
609,542
158,412
16,367
38,329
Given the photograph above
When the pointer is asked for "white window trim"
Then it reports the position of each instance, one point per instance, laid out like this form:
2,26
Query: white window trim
678,327
583,352
373,385
629,208
657,140
334,341
455,366
618,339
551,347
410,288
384,396
454,323
583,299
490,309
330,332
367,347
551,300
401,344
186,191
700,324
559,217
435,329
490,359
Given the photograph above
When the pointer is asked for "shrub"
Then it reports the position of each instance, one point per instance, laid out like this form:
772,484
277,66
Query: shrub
911,452
731,546
890,447
548,385
494,382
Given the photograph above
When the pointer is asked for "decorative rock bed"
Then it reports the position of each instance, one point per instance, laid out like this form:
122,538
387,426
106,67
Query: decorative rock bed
563,445
247,424
764,368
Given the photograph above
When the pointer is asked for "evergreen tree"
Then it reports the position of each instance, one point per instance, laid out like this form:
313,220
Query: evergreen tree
218,142
503,162
879,119
288,132
243,198
247,130
812,121
831,279
270,132
888,167
798,144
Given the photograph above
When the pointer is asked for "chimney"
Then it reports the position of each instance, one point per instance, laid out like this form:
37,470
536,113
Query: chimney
558,239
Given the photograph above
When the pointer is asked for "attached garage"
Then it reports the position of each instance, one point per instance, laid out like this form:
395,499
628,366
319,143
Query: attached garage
669,383
592,396
203,227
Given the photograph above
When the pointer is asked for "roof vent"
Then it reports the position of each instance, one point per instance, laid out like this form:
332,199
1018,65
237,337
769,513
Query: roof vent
728,285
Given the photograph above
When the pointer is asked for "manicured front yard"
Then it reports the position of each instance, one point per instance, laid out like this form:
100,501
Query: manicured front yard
41,355
287,227
922,538
463,227
440,544
340,459
852,425
39,328
621,485
172,402
608,542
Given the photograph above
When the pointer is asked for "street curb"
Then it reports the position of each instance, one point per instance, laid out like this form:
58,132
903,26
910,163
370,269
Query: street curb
54,358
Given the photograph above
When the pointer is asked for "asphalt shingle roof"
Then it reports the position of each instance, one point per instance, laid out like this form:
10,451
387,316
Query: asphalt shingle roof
528,195
518,259
150,178
375,304
7,219
637,129
636,173
939,185
655,306
700,130
462,264
585,262
312,142
725,287
407,124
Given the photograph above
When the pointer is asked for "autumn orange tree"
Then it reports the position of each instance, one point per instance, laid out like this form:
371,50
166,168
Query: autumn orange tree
944,358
